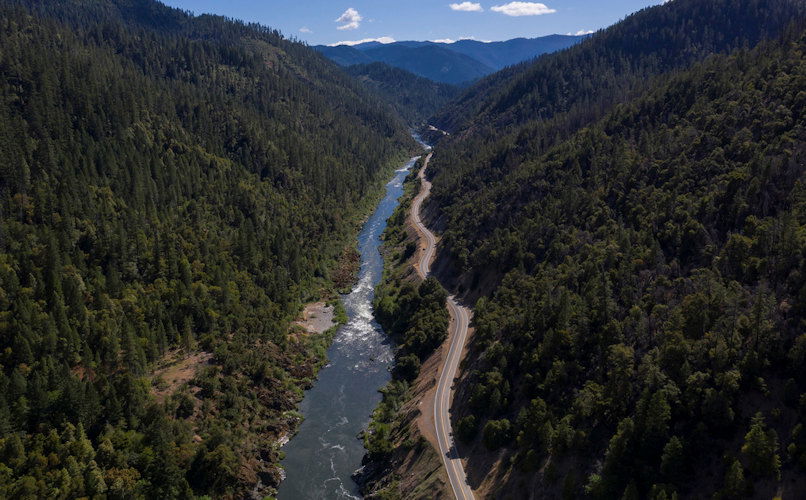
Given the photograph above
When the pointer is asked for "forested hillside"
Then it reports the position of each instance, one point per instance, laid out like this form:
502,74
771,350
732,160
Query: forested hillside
413,97
541,108
171,188
638,238
586,79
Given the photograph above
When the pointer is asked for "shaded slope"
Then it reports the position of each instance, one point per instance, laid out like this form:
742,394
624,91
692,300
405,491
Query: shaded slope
413,97
522,111
605,67
344,55
431,61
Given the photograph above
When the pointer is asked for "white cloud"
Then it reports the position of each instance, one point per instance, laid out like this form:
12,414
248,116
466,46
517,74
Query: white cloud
351,19
467,7
383,39
523,9
444,40
305,29
580,33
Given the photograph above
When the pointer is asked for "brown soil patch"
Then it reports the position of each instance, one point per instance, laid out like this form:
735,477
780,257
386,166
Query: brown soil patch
317,318
83,373
424,390
177,368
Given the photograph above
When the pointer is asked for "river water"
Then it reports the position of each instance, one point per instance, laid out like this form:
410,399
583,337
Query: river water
326,451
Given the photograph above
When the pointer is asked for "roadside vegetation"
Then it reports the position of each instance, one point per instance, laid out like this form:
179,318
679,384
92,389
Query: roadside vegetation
414,313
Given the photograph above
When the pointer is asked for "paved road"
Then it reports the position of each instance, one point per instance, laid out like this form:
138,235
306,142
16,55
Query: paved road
424,267
458,335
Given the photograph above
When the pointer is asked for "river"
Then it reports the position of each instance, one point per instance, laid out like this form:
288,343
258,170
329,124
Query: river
326,451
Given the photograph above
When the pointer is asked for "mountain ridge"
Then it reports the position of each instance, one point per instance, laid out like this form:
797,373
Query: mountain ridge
455,63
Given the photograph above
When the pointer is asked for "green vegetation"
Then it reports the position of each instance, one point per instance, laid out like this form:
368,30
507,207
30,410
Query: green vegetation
414,313
521,112
534,103
170,187
646,326
416,317
378,438
414,98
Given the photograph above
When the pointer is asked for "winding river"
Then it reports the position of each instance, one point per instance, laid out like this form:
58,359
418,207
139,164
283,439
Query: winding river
326,451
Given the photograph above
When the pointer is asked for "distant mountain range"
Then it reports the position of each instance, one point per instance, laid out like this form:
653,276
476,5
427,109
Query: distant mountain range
454,63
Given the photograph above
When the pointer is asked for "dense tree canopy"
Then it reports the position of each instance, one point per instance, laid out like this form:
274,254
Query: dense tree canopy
651,277
586,79
415,98
522,111
168,184
631,214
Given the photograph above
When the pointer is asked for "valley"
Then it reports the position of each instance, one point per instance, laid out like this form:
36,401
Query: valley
320,459
231,267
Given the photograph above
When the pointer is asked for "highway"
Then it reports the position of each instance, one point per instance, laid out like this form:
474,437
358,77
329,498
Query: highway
424,267
460,316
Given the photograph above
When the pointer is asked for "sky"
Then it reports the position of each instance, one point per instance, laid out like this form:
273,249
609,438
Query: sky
326,22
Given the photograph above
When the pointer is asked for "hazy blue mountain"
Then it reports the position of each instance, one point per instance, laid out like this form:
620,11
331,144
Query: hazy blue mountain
502,54
404,43
432,61
455,63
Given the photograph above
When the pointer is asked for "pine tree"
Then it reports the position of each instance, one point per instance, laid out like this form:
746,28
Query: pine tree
735,485
760,449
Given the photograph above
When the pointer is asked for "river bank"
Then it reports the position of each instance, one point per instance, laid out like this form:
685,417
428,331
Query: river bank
402,461
324,453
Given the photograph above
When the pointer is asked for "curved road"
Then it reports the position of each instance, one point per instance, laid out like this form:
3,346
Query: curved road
458,335
424,267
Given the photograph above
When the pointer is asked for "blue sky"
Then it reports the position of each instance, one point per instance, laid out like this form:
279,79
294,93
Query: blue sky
332,21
